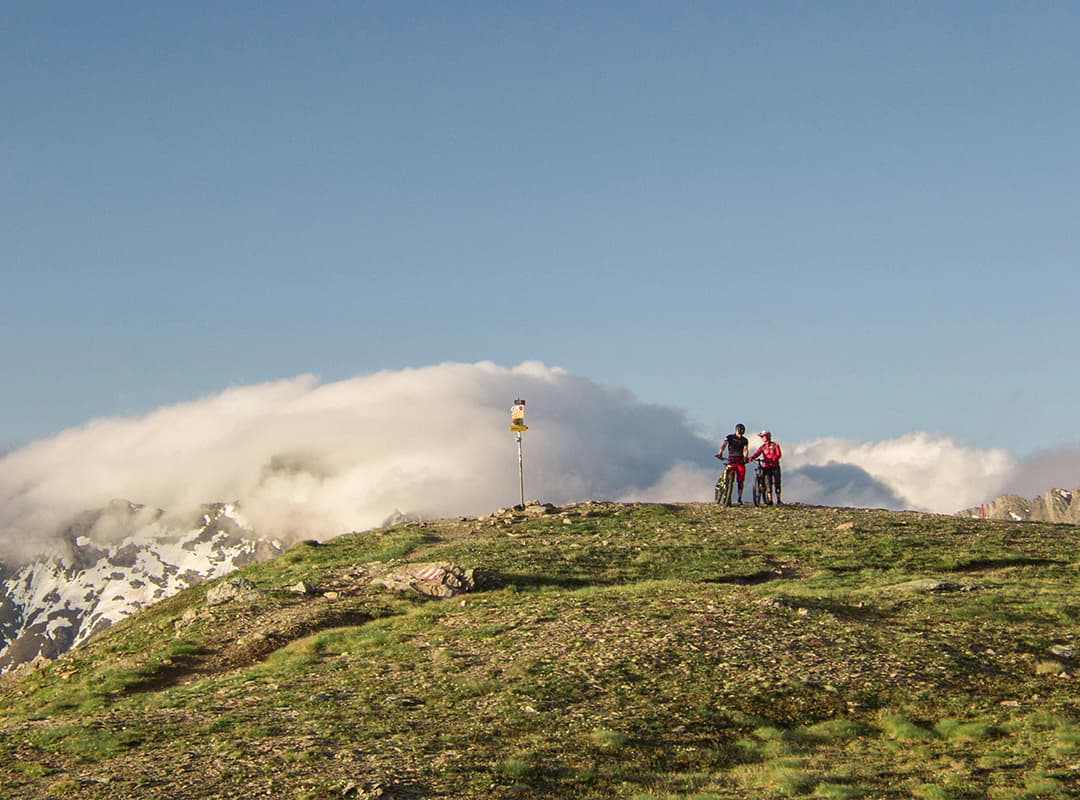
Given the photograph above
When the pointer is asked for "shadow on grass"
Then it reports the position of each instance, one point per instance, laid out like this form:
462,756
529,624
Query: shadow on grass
989,564
777,572
846,611
749,579
524,581
209,660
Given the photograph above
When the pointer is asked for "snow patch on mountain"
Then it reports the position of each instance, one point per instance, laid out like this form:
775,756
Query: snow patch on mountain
58,601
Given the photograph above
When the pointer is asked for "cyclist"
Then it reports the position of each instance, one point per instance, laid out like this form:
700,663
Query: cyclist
770,456
737,447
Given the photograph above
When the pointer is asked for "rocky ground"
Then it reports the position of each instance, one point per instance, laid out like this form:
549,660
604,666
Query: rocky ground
594,651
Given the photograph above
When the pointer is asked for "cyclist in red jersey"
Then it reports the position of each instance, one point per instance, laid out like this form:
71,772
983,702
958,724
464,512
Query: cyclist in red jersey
737,447
770,456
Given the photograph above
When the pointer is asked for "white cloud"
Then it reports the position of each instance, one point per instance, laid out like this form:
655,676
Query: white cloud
310,459
928,472
314,460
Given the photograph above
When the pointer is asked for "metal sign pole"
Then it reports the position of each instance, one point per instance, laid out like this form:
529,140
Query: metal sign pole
517,425
521,471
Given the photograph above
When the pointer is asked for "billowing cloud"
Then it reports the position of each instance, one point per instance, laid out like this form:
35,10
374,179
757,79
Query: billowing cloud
310,459
313,460
919,471
836,484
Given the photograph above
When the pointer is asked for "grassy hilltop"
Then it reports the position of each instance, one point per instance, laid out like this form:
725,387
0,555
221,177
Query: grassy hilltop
612,651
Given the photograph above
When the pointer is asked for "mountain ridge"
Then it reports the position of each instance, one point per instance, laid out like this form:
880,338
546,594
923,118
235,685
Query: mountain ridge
1053,505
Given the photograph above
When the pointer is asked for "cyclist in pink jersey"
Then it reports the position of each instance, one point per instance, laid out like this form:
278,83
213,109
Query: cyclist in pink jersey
770,455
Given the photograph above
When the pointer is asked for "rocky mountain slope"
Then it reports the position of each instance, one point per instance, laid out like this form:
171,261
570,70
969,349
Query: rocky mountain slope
1054,505
107,564
648,652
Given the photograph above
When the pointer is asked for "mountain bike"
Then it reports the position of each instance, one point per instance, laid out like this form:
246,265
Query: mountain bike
725,484
762,495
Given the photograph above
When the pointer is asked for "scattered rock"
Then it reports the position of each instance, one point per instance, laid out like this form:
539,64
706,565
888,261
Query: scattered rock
234,590
302,588
776,602
1064,652
846,526
1051,668
189,617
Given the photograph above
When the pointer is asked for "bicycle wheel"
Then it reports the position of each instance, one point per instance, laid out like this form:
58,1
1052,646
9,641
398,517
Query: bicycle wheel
729,484
721,484
759,488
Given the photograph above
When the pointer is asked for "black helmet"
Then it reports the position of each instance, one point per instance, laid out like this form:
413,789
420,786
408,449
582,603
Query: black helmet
740,429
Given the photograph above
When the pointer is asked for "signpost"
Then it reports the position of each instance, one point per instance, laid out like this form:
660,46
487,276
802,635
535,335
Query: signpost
517,425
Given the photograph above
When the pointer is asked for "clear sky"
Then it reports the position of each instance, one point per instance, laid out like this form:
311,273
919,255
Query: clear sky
851,219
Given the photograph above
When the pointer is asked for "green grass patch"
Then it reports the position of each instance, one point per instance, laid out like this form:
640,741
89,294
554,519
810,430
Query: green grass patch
837,791
89,744
1042,784
784,777
1067,739
932,791
971,731
609,740
31,769
517,769
899,726
835,730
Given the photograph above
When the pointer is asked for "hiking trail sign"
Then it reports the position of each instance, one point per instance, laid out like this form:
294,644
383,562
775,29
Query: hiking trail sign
517,425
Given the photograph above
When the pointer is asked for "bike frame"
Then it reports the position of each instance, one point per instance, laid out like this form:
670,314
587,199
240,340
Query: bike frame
725,485
761,487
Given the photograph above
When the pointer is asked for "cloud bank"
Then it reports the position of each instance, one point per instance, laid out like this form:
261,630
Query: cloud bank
919,471
305,459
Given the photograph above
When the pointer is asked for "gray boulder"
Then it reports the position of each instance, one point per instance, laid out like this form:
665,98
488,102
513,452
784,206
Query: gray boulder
436,579
234,590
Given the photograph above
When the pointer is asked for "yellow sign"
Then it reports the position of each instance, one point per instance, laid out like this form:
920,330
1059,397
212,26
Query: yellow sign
517,416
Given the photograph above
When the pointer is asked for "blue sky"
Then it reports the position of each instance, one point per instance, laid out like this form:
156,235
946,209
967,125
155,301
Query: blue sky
835,219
